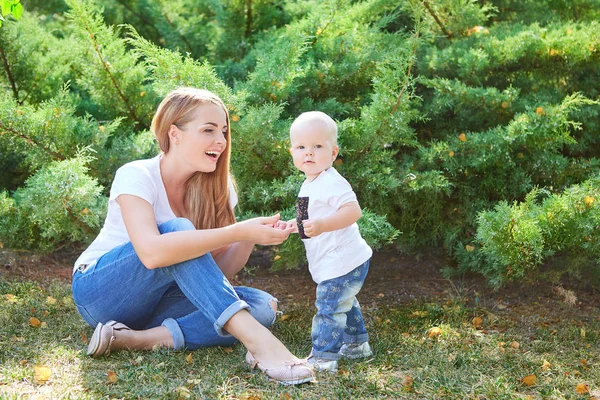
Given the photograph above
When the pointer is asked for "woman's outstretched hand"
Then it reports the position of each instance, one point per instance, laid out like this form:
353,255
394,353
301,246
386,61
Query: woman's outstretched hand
265,231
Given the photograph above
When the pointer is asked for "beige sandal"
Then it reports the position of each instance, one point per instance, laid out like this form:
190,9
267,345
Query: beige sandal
103,338
291,373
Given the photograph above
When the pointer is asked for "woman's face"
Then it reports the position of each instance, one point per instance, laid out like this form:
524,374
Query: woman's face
199,144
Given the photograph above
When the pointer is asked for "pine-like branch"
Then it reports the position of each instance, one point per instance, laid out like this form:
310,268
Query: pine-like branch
437,20
11,80
132,112
29,140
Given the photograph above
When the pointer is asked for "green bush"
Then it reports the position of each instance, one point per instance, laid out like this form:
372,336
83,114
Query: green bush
445,109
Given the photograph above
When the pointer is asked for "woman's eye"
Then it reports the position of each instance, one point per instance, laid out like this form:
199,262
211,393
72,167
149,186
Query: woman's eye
318,146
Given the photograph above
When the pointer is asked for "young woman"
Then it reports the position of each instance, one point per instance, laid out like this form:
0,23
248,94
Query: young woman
161,263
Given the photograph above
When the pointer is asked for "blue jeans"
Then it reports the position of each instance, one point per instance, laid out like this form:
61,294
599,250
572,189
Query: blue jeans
338,319
193,299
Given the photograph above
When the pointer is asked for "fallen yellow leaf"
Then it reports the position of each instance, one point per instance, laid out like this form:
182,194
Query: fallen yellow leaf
277,257
188,358
228,350
546,366
284,317
407,381
515,345
183,392
462,137
84,338
434,332
582,388
477,322
34,322
41,374
23,362
50,300
111,377
529,380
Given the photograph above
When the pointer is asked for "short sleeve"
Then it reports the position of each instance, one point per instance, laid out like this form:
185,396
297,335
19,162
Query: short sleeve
134,180
340,192
233,199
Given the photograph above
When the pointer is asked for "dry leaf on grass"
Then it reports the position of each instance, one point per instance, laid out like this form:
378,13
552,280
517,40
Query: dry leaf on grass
228,350
529,380
477,322
188,358
50,300
545,366
582,388
111,377
41,374
434,332
515,345
34,322
84,338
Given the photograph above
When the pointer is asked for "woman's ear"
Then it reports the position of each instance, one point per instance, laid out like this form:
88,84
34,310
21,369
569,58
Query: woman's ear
174,135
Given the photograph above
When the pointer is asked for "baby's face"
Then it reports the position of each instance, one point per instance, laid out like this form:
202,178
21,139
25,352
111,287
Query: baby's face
313,150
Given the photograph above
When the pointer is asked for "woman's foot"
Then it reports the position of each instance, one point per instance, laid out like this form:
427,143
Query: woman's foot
103,339
114,335
290,373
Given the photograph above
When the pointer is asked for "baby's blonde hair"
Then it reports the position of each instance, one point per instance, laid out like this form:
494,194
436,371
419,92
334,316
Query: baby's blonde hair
320,118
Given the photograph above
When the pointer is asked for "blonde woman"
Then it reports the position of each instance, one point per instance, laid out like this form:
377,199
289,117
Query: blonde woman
157,274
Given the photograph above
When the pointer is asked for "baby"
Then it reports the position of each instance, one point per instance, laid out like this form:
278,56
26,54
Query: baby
338,256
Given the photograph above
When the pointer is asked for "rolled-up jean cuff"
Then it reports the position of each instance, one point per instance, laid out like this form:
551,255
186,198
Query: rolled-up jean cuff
176,333
227,314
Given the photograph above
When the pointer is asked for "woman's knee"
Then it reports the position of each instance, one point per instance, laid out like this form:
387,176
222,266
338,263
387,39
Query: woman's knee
176,225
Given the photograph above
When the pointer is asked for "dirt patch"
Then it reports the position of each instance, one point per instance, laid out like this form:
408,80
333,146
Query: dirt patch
393,280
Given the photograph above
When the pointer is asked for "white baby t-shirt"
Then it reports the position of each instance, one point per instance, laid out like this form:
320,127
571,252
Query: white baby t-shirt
332,254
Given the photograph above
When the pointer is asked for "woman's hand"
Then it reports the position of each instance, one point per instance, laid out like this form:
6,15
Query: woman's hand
266,231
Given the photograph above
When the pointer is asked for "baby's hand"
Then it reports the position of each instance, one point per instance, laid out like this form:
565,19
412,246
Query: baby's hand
281,225
312,227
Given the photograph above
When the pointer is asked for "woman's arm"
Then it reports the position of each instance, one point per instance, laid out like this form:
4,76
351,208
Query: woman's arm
156,250
234,258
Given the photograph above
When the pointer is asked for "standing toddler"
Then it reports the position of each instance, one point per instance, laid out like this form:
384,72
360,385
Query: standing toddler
338,257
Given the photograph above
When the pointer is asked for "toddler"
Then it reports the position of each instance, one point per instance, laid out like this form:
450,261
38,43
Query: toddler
338,257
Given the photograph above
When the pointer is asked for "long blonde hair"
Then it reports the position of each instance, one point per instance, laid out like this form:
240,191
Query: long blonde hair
206,198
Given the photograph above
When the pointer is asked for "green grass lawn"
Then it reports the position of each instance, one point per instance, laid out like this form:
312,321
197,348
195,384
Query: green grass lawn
456,361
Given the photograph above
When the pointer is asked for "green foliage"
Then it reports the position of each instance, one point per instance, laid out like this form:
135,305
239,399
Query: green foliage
58,203
513,240
10,7
445,109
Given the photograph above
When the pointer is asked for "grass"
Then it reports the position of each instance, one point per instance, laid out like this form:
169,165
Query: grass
458,361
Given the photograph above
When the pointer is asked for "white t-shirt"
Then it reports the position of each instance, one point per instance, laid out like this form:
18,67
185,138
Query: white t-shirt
332,254
140,178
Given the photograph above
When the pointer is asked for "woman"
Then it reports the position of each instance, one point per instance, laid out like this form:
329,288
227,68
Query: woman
161,263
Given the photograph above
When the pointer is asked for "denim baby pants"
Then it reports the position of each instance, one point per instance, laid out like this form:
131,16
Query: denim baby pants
338,319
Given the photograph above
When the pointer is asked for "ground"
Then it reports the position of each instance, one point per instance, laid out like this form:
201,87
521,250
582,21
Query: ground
393,280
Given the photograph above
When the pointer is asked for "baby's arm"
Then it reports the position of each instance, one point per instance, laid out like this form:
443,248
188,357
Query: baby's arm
345,216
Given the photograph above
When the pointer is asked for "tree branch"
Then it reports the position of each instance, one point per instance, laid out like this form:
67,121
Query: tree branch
437,20
112,78
29,140
13,85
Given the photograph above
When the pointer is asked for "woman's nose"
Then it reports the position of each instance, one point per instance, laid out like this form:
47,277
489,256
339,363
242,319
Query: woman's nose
221,138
